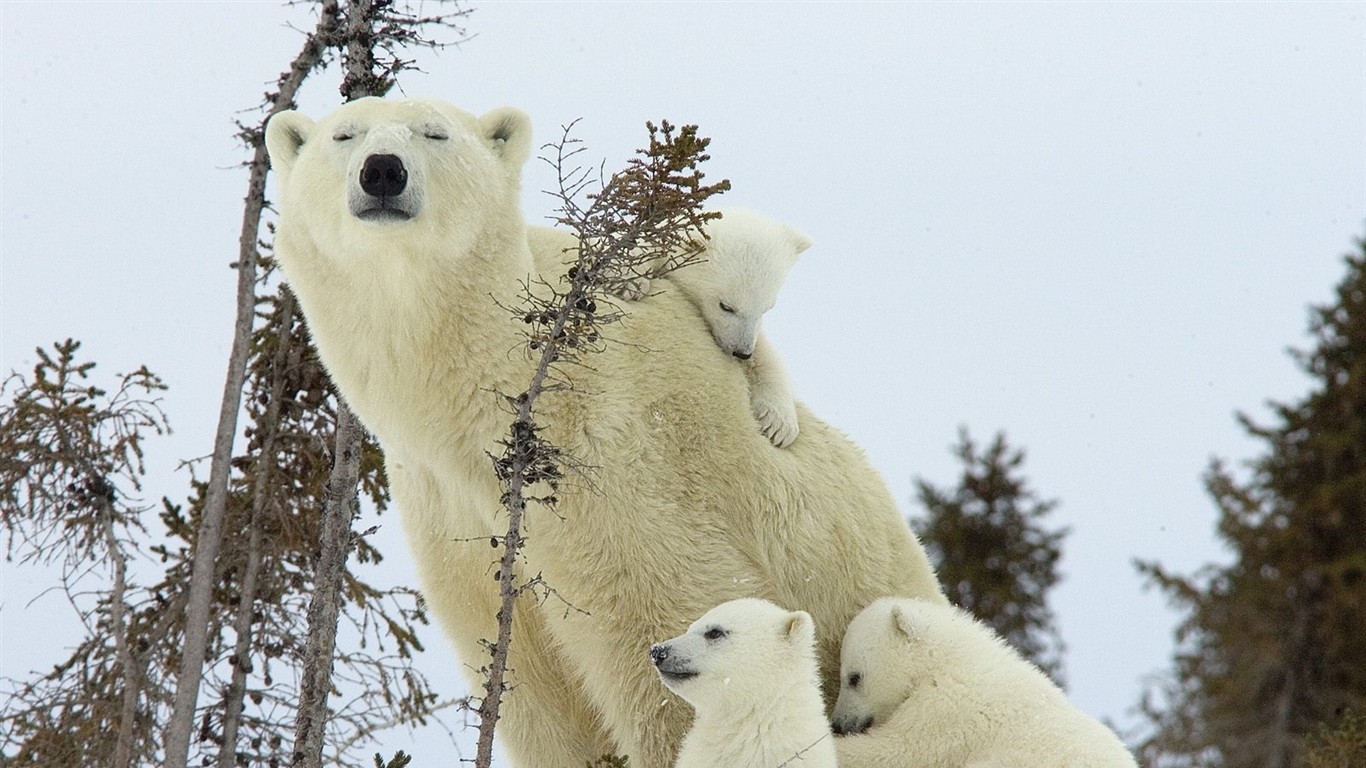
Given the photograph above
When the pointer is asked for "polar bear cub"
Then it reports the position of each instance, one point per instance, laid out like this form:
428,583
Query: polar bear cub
749,670
928,680
745,259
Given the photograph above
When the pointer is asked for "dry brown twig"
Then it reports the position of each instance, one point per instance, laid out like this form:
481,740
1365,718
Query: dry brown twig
645,221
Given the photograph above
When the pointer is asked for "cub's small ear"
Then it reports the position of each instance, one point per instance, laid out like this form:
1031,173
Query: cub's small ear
285,136
508,132
902,624
798,627
798,240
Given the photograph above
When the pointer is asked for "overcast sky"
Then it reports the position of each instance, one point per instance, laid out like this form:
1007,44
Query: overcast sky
1095,226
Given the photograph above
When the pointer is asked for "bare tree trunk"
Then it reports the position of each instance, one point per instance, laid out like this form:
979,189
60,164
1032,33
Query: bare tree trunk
360,80
286,358
181,725
132,682
1284,741
338,509
241,651
341,501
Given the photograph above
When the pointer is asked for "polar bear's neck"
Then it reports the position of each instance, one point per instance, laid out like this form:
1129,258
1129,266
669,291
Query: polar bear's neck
410,303
789,721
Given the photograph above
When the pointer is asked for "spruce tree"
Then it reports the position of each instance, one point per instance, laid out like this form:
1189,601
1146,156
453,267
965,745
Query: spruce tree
993,555
1273,645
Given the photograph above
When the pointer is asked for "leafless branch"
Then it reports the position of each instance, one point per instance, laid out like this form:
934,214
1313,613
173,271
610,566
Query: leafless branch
180,728
643,222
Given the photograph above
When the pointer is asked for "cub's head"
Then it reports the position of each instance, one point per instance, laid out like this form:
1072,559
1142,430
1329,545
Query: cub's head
387,169
747,256
883,654
738,652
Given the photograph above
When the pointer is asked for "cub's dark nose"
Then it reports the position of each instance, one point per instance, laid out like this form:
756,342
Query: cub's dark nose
658,654
743,355
383,175
847,727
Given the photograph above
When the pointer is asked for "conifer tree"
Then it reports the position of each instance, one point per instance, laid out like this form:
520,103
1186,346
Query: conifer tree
1273,645
993,555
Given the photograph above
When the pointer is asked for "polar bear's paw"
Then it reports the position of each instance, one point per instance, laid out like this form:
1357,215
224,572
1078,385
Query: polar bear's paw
777,416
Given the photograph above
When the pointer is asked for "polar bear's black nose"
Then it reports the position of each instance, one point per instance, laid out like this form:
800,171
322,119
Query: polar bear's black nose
847,727
383,175
743,355
658,653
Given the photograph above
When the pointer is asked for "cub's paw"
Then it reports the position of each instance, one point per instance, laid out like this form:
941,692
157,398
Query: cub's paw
777,418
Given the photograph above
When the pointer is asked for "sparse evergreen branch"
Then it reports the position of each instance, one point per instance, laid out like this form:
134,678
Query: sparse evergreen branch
1343,745
70,454
645,221
400,760
73,456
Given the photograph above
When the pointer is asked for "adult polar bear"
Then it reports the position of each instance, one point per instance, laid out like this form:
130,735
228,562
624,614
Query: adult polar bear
400,231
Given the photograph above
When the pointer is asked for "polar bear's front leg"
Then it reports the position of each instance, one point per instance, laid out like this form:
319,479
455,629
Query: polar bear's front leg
770,394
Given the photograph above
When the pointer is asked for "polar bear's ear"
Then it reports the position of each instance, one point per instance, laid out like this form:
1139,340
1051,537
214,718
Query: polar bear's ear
508,132
902,624
798,627
285,136
798,240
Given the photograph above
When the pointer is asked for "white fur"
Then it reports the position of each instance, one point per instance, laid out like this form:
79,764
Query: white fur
748,668
686,505
934,683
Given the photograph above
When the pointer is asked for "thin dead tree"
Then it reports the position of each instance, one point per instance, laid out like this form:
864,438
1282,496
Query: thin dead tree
644,222
181,726
374,34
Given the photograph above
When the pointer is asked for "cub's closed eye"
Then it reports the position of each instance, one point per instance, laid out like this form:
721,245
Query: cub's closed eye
727,308
343,136
715,633
854,679
436,135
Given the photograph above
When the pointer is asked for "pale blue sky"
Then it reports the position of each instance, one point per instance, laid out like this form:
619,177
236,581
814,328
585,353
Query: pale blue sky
1093,225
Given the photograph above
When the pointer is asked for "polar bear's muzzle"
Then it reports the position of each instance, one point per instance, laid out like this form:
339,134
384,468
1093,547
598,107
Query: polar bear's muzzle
850,725
384,194
672,667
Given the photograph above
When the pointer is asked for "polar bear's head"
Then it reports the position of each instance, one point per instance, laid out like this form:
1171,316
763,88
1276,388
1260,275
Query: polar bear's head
746,258
738,653
418,170
886,649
